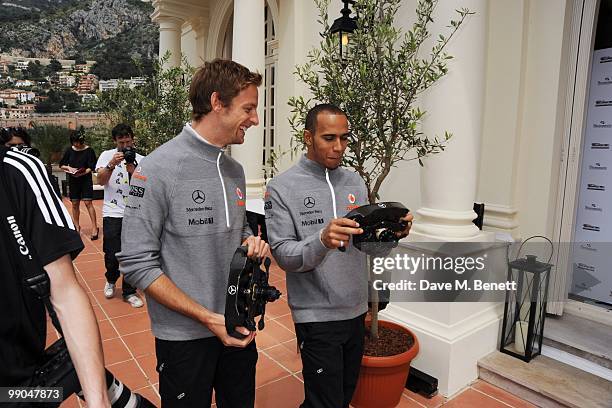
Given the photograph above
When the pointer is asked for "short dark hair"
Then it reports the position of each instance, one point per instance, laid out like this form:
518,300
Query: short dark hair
7,133
122,130
313,113
77,136
225,77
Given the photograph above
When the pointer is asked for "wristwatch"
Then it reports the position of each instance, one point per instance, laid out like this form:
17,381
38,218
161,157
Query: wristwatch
109,167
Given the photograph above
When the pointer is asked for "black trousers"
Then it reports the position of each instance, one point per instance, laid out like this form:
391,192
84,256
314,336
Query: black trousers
331,357
190,370
257,222
111,245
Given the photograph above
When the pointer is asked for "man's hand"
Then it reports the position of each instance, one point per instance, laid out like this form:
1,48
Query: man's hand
164,291
408,219
338,232
257,247
216,324
116,159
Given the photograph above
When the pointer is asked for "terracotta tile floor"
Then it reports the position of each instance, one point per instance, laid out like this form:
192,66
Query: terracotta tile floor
129,348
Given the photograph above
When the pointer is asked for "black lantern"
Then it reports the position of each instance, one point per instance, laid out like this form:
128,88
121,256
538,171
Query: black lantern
344,28
525,309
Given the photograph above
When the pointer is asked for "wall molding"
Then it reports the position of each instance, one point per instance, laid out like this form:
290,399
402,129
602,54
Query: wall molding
449,334
499,216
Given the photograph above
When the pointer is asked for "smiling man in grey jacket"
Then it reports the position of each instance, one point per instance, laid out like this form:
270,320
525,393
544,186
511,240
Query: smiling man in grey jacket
184,219
327,289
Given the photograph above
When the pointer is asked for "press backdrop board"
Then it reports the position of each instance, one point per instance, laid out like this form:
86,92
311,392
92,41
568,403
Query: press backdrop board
592,255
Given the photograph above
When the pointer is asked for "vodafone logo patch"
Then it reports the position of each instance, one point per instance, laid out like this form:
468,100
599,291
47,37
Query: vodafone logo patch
239,193
351,198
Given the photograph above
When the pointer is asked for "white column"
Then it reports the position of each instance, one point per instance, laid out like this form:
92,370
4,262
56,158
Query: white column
248,49
200,27
453,335
170,39
455,104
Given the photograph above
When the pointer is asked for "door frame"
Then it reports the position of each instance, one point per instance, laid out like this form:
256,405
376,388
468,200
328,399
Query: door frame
581,38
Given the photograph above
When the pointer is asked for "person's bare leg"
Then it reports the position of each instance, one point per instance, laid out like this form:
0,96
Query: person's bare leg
76,212
92,215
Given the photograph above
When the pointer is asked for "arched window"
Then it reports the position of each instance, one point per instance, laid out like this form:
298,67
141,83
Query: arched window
270,80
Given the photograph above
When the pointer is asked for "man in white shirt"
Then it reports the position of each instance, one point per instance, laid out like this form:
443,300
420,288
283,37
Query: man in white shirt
114,173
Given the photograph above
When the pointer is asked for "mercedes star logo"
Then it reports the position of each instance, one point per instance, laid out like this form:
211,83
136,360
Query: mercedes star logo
198,197
232,290
309,202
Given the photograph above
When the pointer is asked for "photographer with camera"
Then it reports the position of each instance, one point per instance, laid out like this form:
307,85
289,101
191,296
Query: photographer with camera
327,289
184,219
115,168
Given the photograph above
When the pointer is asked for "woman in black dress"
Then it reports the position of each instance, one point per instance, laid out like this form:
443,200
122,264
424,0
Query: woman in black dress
79,162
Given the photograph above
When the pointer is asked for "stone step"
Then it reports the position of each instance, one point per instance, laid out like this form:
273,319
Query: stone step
581,337
546,382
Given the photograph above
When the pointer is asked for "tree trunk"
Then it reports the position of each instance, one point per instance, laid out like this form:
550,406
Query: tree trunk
374,310
374,300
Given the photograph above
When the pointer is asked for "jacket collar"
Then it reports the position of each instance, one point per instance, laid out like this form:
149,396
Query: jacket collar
315,168
199,145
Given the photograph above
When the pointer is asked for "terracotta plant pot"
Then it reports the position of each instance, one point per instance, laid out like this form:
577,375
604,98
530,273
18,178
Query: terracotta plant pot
382,379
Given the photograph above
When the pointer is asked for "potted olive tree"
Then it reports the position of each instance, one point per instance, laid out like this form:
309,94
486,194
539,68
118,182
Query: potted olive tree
377,80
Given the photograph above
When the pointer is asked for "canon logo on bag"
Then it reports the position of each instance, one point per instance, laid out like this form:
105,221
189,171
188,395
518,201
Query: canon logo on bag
18,237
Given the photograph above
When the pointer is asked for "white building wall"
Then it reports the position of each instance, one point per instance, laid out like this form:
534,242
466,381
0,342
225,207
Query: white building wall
297,34
542,106
519,165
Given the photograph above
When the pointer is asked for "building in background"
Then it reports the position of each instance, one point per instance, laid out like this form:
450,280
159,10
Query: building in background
14,96
87,84
66,81
110,84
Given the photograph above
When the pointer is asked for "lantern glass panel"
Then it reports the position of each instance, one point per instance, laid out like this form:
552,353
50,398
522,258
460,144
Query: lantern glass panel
344,38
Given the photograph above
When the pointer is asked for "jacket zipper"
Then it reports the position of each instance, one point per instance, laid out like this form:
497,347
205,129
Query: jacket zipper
333,193
225,193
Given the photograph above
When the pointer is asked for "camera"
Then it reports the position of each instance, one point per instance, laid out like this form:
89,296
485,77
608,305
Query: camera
57,370
379,222
247,293
24,148
129,154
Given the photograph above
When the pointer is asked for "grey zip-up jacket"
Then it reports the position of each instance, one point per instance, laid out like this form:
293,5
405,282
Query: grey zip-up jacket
322,284
185,217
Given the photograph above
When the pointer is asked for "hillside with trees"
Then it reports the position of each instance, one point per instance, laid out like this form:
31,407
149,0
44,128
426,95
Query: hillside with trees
118,34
